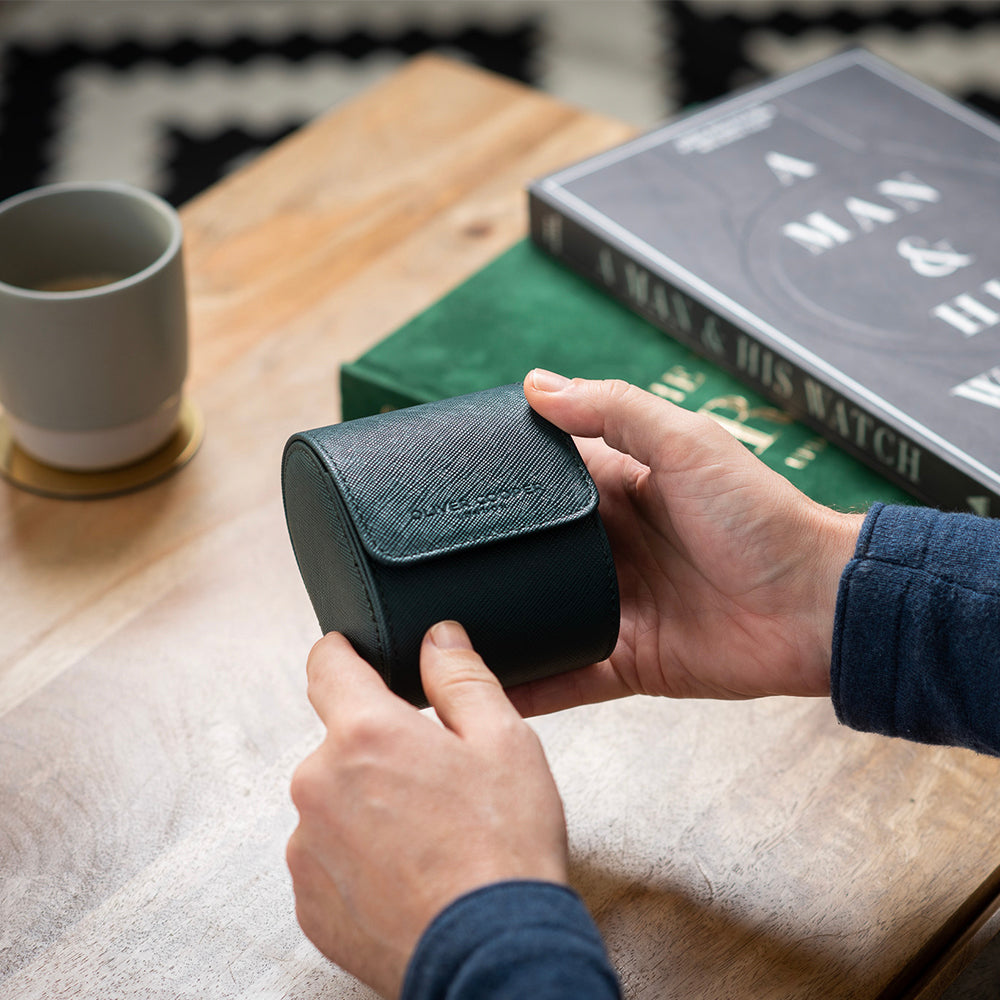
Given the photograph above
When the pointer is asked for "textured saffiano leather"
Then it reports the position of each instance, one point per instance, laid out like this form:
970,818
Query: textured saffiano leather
472,508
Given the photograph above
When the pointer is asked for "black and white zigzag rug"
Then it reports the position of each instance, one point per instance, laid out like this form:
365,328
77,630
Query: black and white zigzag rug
171,94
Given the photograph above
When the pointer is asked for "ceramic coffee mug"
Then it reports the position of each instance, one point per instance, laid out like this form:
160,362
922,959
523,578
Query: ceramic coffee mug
93,323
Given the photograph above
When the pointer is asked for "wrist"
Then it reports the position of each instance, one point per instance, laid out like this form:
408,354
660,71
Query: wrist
837,539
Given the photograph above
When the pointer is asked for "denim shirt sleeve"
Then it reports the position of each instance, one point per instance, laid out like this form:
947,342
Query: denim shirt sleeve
509,941
916,643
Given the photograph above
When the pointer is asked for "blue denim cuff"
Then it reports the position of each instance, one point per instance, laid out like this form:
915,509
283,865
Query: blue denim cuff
916,644
512,939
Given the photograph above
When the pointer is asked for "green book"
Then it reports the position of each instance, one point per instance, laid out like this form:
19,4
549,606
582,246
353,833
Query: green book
524,310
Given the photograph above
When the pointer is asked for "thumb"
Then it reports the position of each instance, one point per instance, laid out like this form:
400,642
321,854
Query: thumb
629,419
465,693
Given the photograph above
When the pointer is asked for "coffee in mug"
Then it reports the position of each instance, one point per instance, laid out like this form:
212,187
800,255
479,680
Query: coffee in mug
78,282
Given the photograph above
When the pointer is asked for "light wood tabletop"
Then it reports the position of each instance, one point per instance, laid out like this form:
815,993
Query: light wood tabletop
152,651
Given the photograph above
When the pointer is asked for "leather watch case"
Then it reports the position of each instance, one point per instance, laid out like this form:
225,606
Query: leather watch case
472,508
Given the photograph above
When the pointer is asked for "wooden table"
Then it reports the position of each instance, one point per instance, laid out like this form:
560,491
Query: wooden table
152,650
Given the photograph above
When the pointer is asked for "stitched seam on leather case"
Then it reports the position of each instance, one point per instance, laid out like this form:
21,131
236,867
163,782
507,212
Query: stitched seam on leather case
611,578
392,634
499,534
379,610
363,573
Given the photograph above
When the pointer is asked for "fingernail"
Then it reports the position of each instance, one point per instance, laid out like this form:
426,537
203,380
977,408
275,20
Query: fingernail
449,635
546,381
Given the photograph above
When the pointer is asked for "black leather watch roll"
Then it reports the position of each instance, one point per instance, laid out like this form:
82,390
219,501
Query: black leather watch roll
472,508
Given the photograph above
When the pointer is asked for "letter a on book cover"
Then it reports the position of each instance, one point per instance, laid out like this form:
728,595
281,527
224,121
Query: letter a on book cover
832,238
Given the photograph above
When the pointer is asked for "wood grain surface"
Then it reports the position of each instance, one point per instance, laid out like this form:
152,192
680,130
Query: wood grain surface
152,650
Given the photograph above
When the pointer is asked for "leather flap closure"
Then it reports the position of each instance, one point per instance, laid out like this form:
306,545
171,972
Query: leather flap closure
450,475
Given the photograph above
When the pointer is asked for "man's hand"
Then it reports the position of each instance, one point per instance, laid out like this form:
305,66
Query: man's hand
728,574
399,816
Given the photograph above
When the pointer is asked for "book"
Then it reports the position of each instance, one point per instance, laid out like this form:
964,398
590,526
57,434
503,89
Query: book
525,310
832,238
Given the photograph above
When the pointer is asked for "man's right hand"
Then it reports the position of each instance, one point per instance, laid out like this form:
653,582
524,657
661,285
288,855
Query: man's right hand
728,574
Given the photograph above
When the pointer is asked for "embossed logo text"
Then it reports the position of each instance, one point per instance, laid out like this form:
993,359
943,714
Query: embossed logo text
475,502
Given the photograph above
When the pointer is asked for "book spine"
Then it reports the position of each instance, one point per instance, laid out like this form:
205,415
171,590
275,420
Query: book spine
898,457
364,392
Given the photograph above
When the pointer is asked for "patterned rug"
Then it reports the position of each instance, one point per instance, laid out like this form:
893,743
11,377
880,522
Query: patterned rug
171,95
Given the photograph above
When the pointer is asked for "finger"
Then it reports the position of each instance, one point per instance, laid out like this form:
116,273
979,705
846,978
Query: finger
340,680
586,686
612,471
465,693
595,451
599,457
629,419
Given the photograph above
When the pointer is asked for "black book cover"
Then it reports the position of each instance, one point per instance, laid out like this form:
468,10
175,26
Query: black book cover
833,238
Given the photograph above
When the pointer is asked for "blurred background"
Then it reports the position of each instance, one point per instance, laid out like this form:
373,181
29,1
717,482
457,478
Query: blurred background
172,94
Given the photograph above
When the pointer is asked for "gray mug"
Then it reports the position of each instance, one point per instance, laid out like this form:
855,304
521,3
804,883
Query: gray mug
93,323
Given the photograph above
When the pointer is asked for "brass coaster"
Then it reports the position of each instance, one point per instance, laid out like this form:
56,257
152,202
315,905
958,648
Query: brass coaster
22,470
